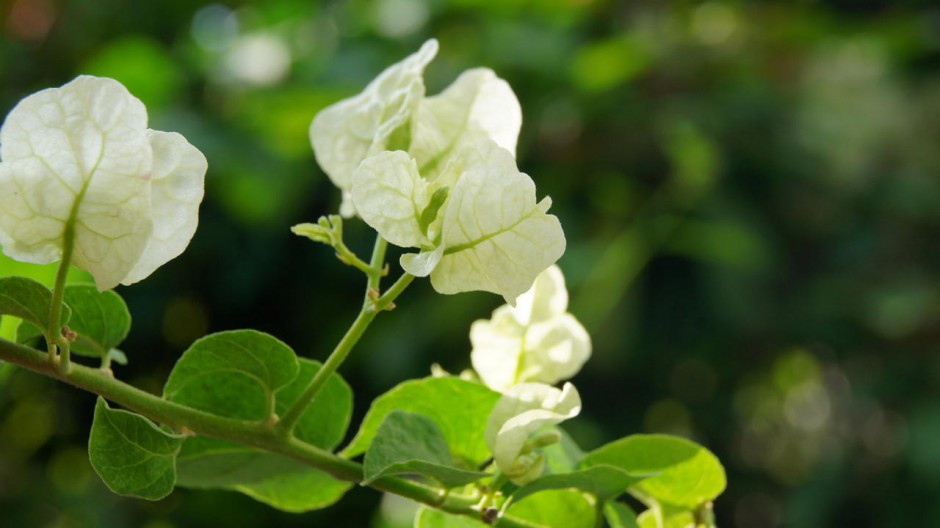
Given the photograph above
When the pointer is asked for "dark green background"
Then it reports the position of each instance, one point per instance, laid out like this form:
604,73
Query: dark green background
750,191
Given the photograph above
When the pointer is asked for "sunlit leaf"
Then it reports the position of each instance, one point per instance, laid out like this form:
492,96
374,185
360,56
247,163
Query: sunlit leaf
686,474
100,319
411,444
458,407
619,515
276,480
556,509
234,374
28,300
603,482
431,518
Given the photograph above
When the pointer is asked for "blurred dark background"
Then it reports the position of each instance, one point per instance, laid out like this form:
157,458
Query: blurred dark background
750,192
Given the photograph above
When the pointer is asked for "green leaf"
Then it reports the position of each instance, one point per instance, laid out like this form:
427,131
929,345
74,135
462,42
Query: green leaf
131,454
604,482
672,518
619,515
458,407
431,518
412,444
552,509
28,334
556,509
234,374
563,456
100,319
687,474
298,492
273,479
29,300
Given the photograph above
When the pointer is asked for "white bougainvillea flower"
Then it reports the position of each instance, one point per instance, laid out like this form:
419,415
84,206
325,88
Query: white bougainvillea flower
78,165
478,224
520,412
478,105
392,113
349,131
536,340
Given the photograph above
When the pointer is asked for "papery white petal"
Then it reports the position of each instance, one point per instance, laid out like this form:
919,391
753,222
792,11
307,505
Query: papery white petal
547,298
25,235
521,411
535,341
421,264
497,238
498,347
555,349
78,151
177,183
476,106
349,131
390,195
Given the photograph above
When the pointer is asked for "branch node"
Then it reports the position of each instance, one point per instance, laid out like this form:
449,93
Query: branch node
68,334
489,515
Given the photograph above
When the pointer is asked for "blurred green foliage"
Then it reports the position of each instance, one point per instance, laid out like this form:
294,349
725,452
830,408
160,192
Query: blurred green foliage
750,190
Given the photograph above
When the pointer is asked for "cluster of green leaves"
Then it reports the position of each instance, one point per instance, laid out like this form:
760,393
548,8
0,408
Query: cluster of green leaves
432,428
242,375
429,429
99,321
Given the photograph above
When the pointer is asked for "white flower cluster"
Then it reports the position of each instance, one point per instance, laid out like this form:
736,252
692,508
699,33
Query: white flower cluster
81,171
439,174
536,340
520,352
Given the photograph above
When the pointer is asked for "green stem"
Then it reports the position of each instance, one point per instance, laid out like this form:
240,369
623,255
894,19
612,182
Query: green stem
179,417
377,263
256,434
598,513
370,308
650,503
350,258
337,357
54,331
386,301
65,357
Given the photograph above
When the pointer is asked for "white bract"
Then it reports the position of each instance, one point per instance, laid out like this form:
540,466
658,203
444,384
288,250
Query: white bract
392,113
439,174
520,412
536,340
79,166
478,224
